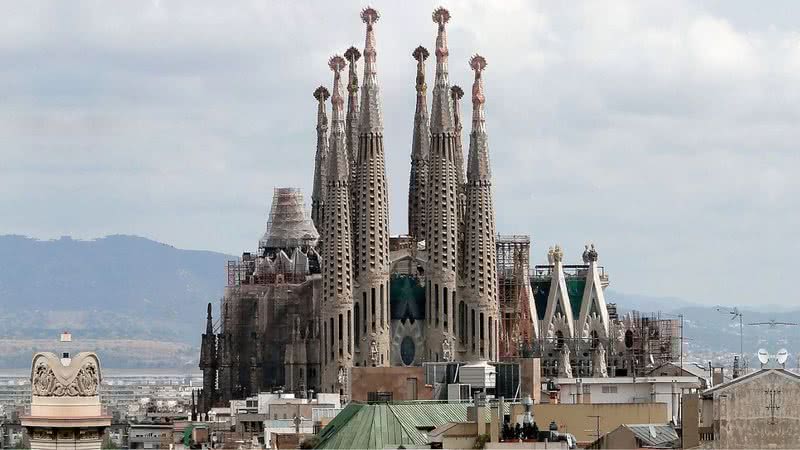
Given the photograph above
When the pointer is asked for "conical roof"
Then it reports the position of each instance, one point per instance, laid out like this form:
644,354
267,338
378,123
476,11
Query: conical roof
288,225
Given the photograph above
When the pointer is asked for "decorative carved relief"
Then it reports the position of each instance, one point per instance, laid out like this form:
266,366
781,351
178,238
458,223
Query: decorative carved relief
49,378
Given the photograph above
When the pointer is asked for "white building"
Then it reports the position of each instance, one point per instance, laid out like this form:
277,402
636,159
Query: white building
628,390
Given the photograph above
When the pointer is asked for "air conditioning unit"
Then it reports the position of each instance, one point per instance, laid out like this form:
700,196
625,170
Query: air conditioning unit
458,393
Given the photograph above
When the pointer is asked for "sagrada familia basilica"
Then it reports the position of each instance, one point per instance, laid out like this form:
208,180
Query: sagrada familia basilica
336,290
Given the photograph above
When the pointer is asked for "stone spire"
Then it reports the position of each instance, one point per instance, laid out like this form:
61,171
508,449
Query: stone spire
352,56
318,192
208,362
351,122
456,93
441,197
371,246
420,146
337,289
480,253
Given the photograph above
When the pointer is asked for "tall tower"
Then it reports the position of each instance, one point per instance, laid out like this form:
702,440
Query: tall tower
351,122
442,194
351,128
480,252
420,146
371,256
208,364
318,192
456,93
337,289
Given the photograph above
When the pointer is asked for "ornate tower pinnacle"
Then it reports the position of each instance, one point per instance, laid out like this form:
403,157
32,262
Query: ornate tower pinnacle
351,123
369,16
351,127
318,192
420,147
456,93
337,64
478,63
337,283
479,152
371,234
441,113
209,321
441,204
480,252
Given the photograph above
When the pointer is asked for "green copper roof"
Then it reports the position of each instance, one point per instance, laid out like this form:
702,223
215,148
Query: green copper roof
541,290
388,425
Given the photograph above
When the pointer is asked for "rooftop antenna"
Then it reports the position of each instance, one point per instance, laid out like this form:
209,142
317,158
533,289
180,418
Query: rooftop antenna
735,314
772,323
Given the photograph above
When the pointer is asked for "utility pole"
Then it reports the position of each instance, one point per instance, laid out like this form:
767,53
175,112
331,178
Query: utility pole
735,314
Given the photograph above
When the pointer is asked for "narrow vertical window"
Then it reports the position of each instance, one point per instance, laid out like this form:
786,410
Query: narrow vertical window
436,303
356,313
444,307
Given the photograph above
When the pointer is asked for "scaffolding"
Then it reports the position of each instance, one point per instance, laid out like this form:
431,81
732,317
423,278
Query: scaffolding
513,260
288,225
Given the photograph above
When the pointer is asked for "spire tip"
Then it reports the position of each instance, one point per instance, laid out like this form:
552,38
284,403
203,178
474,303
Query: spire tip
441,16
477,63
336,63
456,92
370,15
352,54
321,93
420,53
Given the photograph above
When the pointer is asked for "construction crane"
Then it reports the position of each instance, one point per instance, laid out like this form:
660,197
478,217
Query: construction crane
735,314
774,323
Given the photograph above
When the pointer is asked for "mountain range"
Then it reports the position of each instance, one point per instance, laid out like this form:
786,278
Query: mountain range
143,303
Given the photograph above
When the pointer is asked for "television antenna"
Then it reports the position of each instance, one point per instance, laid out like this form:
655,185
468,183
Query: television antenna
772,323
735,314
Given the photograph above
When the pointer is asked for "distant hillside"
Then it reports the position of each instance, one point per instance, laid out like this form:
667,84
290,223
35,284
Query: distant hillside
142,303
117,287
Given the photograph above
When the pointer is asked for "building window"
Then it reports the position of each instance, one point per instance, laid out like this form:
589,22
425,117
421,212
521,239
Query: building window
609,389
436,304
356,312
349,332
382,307
364,297
444,306
373,309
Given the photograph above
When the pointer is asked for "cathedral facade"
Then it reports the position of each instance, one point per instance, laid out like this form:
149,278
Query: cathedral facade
335,291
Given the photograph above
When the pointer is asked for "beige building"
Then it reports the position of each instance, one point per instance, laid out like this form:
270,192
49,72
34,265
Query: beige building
758,410
65,406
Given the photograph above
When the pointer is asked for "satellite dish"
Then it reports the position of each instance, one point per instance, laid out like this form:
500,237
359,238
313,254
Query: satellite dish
782,355
763,356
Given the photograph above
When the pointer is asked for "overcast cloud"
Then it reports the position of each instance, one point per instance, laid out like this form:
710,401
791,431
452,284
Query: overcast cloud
664,132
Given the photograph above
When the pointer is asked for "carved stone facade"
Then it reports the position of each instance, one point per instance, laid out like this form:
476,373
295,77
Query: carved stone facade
65,404
50,379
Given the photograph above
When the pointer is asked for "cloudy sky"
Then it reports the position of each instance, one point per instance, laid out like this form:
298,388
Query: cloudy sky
664,132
